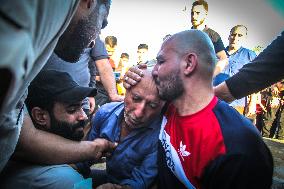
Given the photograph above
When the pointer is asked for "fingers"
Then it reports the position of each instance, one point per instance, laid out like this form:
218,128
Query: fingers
142,65
134,70
132,76
107,146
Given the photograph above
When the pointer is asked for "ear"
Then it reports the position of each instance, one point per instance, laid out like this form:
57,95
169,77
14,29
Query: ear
41,117
190,63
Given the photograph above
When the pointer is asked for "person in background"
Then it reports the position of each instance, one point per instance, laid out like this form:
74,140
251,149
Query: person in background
238,56
121,69
143,56
102,76
266,69
277,127
199,13
111,45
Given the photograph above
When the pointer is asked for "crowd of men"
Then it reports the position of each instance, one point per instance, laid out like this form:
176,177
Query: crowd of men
170,130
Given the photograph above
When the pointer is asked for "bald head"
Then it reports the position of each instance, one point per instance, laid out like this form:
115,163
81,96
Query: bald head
194,41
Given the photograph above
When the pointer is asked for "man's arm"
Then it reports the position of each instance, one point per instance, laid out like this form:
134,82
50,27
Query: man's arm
42,147
107,79
143,176
267,68
222,62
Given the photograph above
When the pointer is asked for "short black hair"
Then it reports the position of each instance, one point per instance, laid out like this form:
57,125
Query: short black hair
238,26
124,55
111,41
143,46
201,2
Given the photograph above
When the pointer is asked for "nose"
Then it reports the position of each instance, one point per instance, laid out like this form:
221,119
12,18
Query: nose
194,15
140,110
82,115
155,71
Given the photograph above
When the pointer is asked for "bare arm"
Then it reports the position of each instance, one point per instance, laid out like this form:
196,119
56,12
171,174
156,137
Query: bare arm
107,79
222,63
222,91
42,147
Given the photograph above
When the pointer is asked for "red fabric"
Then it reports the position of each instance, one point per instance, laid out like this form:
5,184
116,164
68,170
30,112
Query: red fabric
111,61
201,134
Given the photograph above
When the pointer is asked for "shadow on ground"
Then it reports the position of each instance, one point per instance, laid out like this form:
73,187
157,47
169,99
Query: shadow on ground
277,149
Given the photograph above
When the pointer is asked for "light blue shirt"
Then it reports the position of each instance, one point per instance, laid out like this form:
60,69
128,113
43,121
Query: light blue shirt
236,61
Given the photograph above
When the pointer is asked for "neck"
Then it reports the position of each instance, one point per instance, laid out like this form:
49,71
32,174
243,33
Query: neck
233,49
125,130
200,27
194,99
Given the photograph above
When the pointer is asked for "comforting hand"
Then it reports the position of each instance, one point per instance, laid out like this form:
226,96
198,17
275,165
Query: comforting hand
133,75
102,147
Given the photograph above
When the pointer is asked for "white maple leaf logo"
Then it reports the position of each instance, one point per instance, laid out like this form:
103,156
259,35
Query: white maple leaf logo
182,151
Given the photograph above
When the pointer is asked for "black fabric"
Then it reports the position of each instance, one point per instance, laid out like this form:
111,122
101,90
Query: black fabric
59,86
267,68
99,52
166,179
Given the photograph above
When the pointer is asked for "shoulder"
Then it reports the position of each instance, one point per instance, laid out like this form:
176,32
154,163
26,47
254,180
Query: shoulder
110,107
99,52
212,34
247,52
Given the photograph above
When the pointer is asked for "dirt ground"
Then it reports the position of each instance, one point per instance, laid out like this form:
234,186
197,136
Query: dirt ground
277,149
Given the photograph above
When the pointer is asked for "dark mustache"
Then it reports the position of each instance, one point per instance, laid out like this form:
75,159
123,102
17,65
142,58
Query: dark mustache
81,123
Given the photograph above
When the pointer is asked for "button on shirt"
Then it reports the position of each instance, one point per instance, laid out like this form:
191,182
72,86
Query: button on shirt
134,161
236,61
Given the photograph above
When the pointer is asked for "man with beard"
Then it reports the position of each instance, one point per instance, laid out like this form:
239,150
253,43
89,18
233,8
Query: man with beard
35,27
55,105
203,143
199,13
135,125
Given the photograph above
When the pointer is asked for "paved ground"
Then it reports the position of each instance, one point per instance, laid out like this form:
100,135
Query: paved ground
277,150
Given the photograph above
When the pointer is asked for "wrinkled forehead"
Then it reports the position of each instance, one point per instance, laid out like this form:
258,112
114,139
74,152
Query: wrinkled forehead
147,84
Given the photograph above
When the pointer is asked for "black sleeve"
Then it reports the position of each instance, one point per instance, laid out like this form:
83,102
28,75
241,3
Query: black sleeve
267,68
218,45
99,51
237,172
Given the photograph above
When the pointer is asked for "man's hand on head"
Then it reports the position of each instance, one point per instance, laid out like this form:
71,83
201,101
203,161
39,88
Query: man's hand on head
133,75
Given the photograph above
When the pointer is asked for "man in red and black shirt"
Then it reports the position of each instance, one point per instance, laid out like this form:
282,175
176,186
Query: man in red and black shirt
204,143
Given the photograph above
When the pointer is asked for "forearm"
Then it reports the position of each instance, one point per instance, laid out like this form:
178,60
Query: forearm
42,147
220,66
107,77
222,91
